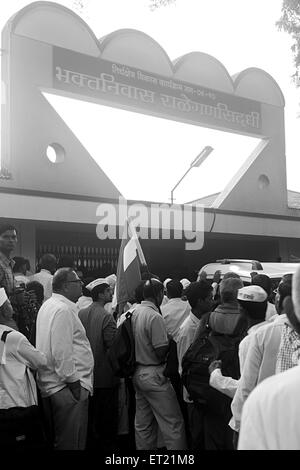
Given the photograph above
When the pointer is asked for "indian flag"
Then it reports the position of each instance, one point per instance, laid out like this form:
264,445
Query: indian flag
131,258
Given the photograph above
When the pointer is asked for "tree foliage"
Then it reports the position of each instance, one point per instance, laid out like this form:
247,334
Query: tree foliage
290,23
154,4
81,5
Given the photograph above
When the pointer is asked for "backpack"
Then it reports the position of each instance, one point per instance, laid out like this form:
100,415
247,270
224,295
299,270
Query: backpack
121,354
171,369
207,347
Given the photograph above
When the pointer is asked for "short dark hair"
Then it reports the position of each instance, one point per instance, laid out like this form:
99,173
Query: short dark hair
231,274
19,262
152,289
263,281
38,289
138,293
255,310
229,289
48,261
197,290
6,227
98,290
61,276
174,289
86,292
146,275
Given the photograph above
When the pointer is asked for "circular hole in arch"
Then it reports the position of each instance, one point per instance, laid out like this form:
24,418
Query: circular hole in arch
263,182
55,153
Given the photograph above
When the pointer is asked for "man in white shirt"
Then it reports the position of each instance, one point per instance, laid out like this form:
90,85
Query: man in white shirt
19,270
262,353
48,265
67,382
199,295
16,354
176,310
271,414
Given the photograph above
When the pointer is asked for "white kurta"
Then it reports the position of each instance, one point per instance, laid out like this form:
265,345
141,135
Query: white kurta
271,414
17,388
260,364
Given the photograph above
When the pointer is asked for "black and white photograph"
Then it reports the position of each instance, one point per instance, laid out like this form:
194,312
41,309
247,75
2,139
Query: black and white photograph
149,228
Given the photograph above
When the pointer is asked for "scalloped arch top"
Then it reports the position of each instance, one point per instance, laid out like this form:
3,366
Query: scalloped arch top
259,85
136,49
39,21
49,21
204,70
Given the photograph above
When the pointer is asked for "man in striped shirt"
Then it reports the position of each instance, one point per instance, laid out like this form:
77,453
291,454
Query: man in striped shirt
8,242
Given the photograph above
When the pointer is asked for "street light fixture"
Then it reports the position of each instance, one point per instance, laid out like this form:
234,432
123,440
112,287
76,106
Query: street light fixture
195,164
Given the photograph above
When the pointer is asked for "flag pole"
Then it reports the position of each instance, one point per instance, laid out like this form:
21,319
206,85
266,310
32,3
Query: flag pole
143,260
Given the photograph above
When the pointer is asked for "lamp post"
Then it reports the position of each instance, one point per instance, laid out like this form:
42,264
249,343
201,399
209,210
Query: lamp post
195,164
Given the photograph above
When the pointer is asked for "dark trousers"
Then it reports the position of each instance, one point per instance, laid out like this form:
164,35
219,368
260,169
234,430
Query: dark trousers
218,434
126,442
196,439
214,433
103,419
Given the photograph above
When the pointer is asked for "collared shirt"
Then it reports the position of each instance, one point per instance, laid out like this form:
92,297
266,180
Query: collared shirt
271,311
185,338
289,349
6,273
45,278
271,414
61,336
149,333
17,388
174,313
260,363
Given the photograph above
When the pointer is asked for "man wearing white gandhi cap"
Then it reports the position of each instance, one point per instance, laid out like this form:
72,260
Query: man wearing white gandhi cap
6,310
101,328
271,414
16,354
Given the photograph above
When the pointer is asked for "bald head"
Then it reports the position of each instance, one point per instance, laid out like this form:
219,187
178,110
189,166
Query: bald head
296,292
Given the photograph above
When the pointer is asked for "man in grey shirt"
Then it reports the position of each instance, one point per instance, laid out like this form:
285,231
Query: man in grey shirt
157,407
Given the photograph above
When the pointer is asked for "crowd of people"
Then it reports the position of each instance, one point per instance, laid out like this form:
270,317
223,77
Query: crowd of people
59,391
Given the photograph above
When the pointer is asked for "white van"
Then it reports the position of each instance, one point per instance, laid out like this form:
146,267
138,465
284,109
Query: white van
243,267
